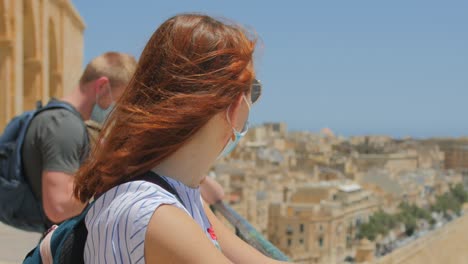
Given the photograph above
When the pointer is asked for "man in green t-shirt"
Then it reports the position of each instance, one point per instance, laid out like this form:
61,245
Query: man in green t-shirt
56,139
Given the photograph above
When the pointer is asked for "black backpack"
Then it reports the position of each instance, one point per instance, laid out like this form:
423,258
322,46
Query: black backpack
67,242
19,207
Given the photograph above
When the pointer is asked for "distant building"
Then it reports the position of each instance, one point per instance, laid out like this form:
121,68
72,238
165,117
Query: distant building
394,162
310,192
276,129
320,221
455,150
41,53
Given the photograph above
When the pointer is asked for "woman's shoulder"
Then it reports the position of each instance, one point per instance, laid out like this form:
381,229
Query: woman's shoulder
140,197
120,217
135,191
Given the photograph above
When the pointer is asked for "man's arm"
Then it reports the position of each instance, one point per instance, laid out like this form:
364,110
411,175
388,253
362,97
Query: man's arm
62,140
57,196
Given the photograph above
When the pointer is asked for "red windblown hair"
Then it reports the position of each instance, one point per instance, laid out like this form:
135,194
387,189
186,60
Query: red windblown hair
192,68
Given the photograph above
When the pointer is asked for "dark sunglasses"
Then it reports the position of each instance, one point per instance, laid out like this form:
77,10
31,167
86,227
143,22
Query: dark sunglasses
255,91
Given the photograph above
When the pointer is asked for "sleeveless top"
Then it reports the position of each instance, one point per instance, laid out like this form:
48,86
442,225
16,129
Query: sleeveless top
118,219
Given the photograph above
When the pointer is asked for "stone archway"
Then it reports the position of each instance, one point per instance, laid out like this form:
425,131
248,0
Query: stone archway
55,89
32,65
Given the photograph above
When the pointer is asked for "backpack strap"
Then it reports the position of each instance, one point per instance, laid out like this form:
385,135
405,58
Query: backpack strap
93,128
56,104
63,244
154,178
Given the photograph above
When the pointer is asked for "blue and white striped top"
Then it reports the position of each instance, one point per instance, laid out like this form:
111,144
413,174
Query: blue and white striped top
118,220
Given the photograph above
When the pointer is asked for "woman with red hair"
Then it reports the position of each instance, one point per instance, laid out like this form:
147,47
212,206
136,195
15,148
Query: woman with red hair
187,104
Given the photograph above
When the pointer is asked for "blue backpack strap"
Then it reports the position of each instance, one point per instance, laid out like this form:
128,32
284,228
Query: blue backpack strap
69,241
55,104
51,105
154,178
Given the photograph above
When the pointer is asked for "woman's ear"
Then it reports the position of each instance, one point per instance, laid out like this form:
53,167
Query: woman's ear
238,113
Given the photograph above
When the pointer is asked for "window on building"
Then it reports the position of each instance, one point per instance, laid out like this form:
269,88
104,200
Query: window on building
289,230
289,242
405,197
349,241
276,127
301,241
320,242
338,229
301,228
358,222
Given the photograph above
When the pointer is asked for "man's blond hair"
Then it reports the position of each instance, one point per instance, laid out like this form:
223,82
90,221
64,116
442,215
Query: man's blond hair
118,67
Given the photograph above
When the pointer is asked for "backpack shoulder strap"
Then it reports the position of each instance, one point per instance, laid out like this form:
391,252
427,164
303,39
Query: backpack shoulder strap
154,178
93,128
55,104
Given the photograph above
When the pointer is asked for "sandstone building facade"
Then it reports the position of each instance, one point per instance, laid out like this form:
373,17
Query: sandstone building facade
41,53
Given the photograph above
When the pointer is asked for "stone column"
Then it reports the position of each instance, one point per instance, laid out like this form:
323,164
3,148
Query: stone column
32,91
56,80
6,47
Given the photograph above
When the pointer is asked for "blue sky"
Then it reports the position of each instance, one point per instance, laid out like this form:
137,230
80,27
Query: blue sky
397,67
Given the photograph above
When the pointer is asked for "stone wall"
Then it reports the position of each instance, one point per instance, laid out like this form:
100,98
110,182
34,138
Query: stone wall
41,53
449,244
